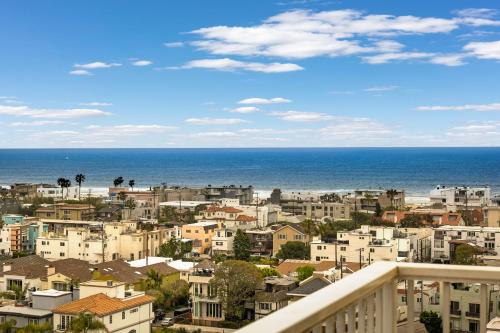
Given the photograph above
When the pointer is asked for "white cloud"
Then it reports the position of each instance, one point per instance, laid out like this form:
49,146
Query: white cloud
25,111
465,107
174,44
125,130
356,129
476,12
451,60
380,88
484,50
245,109
215,121
384,58
300,116
81,72
258,100
142,63
96,104
96,65
222,134
36,123
226,64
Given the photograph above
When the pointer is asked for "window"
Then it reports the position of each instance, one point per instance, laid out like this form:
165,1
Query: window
134,310
342,248
33,321
319,247
297,237
123,315
372,250
264,306
111,319
473,326
61,243
61,254
281,236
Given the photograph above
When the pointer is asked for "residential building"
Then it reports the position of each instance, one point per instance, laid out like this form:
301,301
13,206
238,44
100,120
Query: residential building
288,233
78,212
367,199
307,287
445,239
25,272
331,210
120,314
289,267
24,315
272,295
201,234
109,213
206,307
56,192
222,241
261,241
435,217
461,198
207,193
492,216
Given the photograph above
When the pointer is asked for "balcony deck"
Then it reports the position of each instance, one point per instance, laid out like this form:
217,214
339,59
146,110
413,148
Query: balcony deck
366,300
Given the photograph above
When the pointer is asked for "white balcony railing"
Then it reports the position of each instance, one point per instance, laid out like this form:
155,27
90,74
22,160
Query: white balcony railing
366,300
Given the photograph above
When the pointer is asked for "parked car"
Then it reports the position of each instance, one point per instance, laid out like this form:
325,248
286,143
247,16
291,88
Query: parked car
167,322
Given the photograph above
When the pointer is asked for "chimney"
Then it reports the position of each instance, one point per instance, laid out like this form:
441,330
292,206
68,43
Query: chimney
51,270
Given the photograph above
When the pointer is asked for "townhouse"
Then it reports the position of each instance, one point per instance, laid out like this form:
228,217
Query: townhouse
460,198
222,241
288,233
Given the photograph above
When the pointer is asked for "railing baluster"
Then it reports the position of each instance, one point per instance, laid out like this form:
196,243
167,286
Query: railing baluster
410,299
317,328
378,311
330,325
389,315
370,314
483,307
445,306
341,321
351,318
361,316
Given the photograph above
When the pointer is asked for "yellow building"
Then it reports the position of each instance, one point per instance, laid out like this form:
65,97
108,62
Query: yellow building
492,216
288,233
63,211
201,234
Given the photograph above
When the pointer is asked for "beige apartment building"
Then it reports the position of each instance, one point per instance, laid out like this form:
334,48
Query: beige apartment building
332,210
122,240
201,233
492,216
80,212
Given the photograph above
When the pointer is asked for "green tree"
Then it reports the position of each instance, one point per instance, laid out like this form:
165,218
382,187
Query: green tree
411,221
432,321
131,184
36,328
241,246
170,248
309,227
378,210
293,250
63,183
79,179
391,193
304,272
86,323
235,282
118,181
360,218
269,271
130,204
9,326
154,279
122,196
465,255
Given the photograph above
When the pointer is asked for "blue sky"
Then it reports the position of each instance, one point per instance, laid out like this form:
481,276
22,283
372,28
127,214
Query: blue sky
249,73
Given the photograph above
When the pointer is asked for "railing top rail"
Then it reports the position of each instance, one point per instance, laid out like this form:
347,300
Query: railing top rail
319,306
449,273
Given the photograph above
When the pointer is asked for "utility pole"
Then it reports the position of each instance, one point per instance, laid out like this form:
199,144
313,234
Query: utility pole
257,211
336,262
360,262
102,241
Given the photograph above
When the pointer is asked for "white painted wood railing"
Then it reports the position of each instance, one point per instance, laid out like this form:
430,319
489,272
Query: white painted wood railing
366,300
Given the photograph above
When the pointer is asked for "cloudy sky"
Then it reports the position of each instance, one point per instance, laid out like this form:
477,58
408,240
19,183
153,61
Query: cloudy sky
231,73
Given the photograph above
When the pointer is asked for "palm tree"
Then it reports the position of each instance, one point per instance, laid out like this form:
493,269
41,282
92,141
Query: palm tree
122,196
391,194
118,181
86,323
309,227
130,204
79,178
131,183
61,182
154,280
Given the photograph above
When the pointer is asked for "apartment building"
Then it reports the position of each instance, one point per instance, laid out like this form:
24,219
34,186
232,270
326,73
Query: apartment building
457,198
367,199
332,210
17,234
446,239
55,192
491,216
288,233
434,217
201,233
261,241
206,307
122,240
222,241
75,212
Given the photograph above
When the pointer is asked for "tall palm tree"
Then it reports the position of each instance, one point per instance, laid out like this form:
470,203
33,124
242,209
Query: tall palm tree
118,181
86,323
131,183
130,204
391,194
67,184
122,196
79,178
61,182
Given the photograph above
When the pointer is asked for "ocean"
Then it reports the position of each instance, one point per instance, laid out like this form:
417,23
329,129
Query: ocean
417,170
